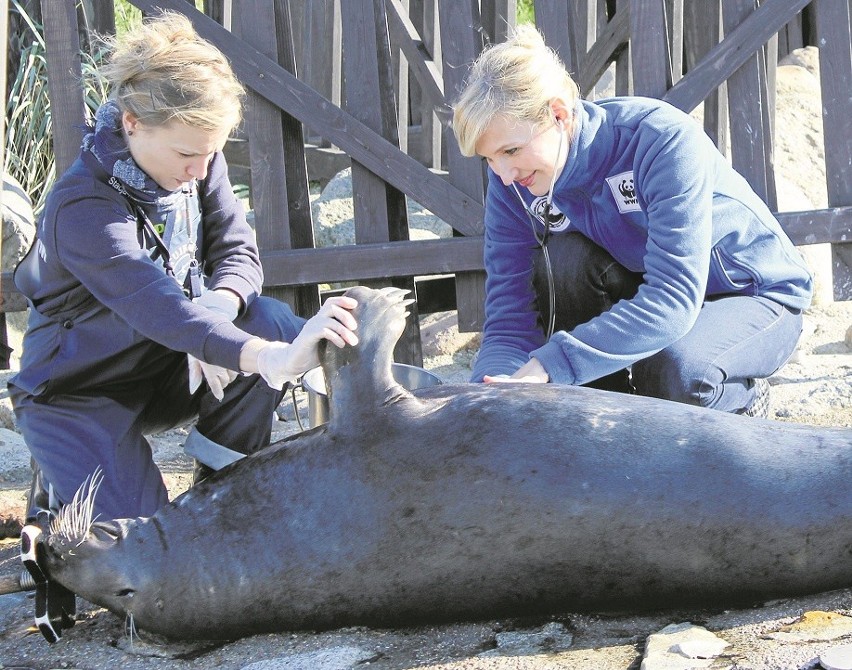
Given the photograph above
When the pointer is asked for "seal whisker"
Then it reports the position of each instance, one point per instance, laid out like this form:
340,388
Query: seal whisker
74,519
130,628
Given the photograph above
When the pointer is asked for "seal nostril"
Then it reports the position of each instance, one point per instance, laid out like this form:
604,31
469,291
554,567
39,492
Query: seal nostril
126,593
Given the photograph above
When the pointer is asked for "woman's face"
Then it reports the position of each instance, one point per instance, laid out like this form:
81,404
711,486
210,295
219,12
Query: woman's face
172,154
524,152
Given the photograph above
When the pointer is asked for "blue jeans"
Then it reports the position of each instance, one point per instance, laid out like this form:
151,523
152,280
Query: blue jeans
70,435
735,340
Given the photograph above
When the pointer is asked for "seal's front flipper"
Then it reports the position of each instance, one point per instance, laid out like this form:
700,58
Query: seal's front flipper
55,605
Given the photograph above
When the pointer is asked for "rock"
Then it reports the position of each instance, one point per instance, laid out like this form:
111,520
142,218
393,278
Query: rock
799,148
18,234
333,215
814,626
837,658
848,339
550,638
334,658
807,57
681,646
18,222
13,451
439,335
800,155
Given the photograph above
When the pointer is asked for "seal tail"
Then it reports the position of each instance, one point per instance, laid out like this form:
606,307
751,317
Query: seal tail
75,519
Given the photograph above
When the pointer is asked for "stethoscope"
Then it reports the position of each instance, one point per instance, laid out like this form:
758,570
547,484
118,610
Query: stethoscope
542,239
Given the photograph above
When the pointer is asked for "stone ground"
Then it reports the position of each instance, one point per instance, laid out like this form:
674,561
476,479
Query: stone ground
815,387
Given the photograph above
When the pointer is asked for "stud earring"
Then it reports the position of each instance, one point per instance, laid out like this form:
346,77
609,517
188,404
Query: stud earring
129,132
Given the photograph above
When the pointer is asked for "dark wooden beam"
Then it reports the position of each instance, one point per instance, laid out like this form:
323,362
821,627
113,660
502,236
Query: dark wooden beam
729,55
463,212
372,261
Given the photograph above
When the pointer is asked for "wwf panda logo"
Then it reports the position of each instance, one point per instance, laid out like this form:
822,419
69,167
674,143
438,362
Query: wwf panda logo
558,221
627,190
623,187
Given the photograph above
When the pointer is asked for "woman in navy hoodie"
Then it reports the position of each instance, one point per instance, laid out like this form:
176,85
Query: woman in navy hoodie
617,237
144,286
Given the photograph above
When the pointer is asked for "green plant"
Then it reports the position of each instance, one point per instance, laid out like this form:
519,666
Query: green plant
28,151
126,16
28,154
525,12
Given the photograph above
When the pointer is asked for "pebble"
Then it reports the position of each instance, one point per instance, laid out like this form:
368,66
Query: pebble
814,626
550,638
837,658
681,646
333,658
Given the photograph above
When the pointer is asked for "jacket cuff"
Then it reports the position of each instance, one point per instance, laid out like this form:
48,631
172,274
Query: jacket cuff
553,360
238,285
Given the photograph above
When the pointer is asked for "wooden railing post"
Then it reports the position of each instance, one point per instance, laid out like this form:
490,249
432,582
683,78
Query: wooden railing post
650,51
64,72
703,30
554,23
276,148
748,106
498,18
380,209
5,351
835,63
460,37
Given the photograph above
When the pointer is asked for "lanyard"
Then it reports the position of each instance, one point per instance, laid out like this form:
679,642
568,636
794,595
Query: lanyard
195,288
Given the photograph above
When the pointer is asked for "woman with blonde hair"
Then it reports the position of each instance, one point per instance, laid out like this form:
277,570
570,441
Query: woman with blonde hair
144,286
622,251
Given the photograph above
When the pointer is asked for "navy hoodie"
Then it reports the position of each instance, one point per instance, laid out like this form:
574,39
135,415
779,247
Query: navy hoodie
102,309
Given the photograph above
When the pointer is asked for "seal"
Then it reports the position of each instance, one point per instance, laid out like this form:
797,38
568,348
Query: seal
475,501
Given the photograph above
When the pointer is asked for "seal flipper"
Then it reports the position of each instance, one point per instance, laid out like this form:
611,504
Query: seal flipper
359,378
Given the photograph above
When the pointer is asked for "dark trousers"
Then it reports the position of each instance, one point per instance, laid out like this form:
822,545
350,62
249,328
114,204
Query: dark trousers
735,340
70,436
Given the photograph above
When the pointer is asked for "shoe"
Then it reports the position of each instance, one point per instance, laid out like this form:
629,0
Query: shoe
759,406
42,507
55,606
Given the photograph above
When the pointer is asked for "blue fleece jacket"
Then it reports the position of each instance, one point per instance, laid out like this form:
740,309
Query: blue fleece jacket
643,181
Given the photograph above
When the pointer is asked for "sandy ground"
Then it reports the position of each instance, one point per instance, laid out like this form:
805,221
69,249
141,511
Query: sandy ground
815,387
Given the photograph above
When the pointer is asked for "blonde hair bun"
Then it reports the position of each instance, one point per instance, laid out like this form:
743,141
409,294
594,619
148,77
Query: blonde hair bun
164,71
517,78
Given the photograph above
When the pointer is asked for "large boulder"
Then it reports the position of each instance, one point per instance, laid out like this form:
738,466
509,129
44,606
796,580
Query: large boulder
334,215
18,234
18,222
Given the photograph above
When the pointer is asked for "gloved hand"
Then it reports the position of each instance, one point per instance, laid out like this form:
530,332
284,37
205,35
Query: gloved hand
279,362
226,304
532,372
217,377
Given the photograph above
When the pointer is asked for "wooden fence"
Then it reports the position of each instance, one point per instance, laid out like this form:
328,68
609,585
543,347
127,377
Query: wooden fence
349,75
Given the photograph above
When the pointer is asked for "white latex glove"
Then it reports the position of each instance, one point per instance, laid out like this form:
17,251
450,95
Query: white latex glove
532,372
279,362
217,377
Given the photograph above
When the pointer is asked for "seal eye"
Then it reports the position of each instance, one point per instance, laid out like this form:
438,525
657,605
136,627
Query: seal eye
126,593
